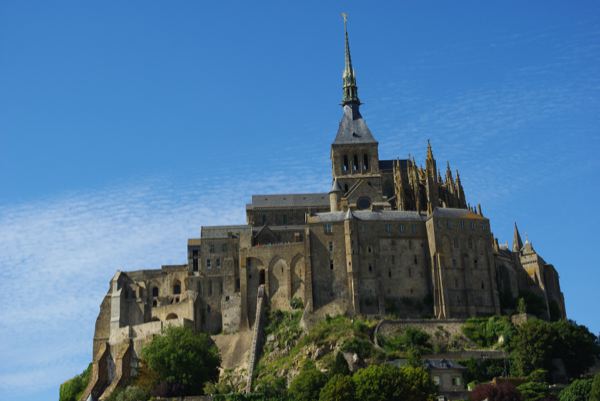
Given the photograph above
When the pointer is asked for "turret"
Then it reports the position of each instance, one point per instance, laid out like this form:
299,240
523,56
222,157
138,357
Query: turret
334,196
517,242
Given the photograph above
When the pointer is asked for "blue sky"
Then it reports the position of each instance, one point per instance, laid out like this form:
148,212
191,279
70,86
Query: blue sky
125,127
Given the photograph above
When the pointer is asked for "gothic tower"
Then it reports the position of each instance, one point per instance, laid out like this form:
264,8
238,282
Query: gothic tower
354,152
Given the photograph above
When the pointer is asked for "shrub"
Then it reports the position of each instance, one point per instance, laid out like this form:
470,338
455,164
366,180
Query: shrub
595,390
578,390
486,332
296,303
482,370
183,360
389,383
410,339
307,385
503,391
129,393
360,346
533,391
72,389
338,388
339,365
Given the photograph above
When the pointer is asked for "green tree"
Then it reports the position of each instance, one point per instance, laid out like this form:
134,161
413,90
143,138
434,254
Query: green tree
576,346
72,389
338,388
595,390
578,390
183,360
307,385
389,383
533,391
532,347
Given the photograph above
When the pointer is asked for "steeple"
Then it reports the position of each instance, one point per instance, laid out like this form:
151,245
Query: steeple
350,95
517,242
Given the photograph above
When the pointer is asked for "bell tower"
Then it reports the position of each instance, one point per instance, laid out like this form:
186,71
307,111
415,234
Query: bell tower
354,152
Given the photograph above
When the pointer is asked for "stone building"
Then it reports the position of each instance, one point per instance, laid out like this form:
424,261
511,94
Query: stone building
389,237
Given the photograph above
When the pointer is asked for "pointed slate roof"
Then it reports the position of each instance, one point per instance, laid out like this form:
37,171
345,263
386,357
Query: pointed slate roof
353,128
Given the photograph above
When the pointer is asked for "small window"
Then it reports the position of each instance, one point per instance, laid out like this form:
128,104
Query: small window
472,225
330,246
177,288
330,264
369,249
366,162
416,260
389,273
475,262
237,284
195,253
345,165
208,263
402,228
155,303
456,381
195,264
345,187
284,219
154,292
482,285
211,248
413,228
436,380
355,164
370,268
328,228
388,228
218,262
462,224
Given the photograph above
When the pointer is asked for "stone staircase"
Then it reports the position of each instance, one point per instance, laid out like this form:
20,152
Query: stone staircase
257,336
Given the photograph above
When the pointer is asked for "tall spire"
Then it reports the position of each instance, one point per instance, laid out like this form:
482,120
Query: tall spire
517,242
350,90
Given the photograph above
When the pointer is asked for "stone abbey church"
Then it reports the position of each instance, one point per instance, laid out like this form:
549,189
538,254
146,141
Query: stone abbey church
389,237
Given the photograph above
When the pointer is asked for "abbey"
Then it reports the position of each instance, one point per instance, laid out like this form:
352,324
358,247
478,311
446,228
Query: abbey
388,238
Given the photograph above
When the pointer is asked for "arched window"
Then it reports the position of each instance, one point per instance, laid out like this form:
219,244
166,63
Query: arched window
171,316
155,292
345,166
355,164
366,162
177,288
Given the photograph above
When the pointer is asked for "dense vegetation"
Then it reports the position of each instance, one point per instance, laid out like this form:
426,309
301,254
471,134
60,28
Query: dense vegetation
337,360
72,389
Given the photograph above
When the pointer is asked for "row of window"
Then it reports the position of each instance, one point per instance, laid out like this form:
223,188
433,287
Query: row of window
461,224
356,165
389,228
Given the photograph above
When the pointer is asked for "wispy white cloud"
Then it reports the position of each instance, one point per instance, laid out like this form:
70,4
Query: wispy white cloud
58,255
